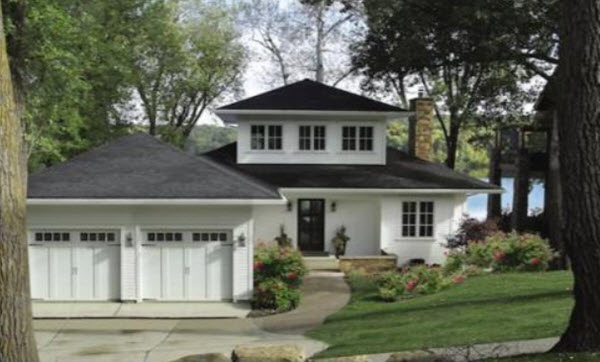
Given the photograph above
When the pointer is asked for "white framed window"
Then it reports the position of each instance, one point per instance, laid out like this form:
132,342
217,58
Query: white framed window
417,219
210,236
274,137
94,236
266,137
348,138
357,138
311,138
365,139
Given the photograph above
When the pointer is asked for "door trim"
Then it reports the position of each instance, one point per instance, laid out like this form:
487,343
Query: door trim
298,217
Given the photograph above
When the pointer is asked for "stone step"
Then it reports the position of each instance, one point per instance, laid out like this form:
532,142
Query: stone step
321,263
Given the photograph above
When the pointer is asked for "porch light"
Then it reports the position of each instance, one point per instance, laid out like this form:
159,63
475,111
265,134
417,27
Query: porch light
333,206
289,206
241,240
129,239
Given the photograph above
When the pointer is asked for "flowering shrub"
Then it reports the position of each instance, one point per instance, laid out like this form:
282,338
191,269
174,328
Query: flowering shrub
412,281
278,273
503,252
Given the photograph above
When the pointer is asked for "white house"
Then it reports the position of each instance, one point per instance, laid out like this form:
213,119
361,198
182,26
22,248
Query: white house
137,219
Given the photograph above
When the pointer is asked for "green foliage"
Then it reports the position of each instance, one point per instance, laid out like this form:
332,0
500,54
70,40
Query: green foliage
205,137
417,280
339,241
503,252
472,157
278,273
274,294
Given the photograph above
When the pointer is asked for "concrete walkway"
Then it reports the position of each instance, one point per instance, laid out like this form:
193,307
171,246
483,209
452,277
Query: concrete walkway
170,339
323,293
140,310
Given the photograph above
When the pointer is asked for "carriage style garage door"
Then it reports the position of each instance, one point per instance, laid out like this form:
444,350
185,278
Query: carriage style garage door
75,264
187,265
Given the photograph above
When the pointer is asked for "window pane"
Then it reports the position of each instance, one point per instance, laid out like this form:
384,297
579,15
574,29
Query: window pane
101,236
66,237
304,142
348,138
92,236
319,138
110,237
160,237
196,236
257,137
275,137
178,236
222,237
366,138
39,237
205,236
56,237
151,236
83,236
169,236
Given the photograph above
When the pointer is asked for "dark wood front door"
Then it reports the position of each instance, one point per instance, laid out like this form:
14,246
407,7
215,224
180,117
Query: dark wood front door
311,224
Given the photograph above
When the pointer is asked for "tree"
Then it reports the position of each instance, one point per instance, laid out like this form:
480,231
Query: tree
302,38
579,107
433,40
16,331
180,67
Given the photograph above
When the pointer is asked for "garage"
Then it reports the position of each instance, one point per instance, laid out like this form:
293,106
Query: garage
191,265
75,264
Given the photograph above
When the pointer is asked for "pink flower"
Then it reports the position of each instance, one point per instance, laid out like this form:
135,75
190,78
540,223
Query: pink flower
535,261
259,265
411,284
292,276
499,256
458,279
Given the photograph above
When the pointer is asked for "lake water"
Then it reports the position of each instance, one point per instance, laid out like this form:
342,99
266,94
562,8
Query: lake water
477,204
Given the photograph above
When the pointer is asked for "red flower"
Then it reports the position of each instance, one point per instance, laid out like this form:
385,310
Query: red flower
458,279
292,276
535,261
259,265
498,256
411,284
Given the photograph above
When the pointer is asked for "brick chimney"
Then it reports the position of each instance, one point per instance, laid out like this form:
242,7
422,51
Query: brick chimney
420,138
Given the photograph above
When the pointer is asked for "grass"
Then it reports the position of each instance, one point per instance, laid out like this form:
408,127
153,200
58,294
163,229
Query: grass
490,308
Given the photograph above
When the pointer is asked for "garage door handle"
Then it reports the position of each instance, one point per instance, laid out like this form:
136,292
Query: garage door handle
74,270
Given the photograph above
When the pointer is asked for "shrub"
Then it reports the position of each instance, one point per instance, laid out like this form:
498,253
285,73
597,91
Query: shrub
412,281
284,264
278,273
501,252
274,294
471,229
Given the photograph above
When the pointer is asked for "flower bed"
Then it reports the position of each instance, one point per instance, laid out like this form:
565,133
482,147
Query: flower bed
278,273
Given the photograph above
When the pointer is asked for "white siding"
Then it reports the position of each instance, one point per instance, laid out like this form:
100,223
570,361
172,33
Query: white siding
291,153
130,220
359,214
448,210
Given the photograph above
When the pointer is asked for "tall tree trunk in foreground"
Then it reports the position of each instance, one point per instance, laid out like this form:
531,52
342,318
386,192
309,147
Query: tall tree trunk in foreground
16,334
494,204
579,115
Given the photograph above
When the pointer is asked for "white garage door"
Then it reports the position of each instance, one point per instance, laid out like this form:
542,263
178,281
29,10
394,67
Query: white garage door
187,265
75,264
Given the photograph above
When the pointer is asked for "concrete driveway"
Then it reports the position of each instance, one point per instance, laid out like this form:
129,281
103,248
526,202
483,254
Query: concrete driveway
169,339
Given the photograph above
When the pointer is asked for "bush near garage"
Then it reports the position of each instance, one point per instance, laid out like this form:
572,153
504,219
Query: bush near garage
278,273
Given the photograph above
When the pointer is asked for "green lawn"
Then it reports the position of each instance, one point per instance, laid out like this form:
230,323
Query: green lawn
490,308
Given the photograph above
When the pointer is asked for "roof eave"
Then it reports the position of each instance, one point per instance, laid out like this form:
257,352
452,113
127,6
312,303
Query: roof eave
387,115
399,191
154,202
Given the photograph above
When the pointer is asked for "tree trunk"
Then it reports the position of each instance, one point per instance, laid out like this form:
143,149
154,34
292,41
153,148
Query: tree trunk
16,334
319,67
452,142
521,187
579,115
494,204
552,195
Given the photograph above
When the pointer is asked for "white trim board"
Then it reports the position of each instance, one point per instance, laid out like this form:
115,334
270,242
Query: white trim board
342,191
287,112
159,202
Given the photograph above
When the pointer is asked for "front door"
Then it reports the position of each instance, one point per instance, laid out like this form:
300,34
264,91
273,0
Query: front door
311,224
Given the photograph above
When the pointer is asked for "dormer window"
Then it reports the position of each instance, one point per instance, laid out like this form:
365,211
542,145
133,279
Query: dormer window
357,138
272,134
311,138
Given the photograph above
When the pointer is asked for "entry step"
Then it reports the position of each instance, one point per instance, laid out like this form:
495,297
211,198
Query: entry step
328,262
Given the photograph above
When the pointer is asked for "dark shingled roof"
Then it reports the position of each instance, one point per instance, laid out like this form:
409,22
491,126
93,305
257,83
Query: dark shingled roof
401,172
141,167
310,95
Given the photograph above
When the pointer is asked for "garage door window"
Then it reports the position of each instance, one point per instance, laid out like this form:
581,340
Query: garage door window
51,236
168,236
97,237
210,237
